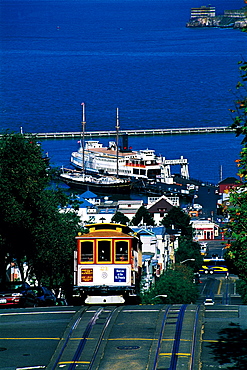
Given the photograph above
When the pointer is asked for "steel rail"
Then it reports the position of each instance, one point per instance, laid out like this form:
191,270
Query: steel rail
160,338
83,341
108,319
174,356
226,295
194,337
74,326
210,288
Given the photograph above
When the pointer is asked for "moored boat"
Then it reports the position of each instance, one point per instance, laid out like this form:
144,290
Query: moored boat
141,164
96,183
121,161
99,184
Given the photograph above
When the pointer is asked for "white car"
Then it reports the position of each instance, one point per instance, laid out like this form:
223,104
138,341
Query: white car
208,302
197,207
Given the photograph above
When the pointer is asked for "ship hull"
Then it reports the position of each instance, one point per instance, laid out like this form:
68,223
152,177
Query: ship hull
111,188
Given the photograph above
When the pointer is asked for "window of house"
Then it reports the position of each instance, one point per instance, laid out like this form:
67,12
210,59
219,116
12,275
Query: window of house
104,250
87,251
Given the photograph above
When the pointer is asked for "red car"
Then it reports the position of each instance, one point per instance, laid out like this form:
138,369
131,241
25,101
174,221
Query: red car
17,294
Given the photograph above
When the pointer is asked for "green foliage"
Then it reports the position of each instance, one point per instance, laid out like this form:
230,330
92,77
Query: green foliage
178,219
242,290
142,216
236,257
53,235
120,218
237,210
32,229
240,111
177,284
188,249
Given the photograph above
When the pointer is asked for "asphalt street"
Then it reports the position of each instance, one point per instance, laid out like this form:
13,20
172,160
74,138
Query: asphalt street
29,336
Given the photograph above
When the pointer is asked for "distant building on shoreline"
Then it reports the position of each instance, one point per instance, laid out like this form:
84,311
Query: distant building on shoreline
203,12
205,16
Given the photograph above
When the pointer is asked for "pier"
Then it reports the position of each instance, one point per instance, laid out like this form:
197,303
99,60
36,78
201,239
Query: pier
142,132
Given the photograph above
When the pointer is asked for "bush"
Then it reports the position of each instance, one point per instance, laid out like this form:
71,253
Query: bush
177,284
241,286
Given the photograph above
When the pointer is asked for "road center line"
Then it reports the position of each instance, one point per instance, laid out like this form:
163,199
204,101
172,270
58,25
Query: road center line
34,313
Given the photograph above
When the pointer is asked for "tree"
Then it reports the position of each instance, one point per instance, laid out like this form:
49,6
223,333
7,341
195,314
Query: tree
143,216
176,284
178,219
188,249
53,235
120,218
236,255
32,229
240,112
23,176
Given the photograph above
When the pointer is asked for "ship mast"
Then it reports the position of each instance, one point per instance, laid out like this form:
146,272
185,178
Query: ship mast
117,132
83,122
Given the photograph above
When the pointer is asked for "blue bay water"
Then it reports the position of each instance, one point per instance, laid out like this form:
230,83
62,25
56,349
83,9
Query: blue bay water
135,55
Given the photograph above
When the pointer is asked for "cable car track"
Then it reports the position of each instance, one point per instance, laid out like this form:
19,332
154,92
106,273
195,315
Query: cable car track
170,359
101,336
176,342
71,359
55,361
83,340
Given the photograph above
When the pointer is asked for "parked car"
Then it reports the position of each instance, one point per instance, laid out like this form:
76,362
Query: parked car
208,302
44,296
17,294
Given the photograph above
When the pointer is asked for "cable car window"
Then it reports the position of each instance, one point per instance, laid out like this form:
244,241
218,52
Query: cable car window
87,251
121,251
104,250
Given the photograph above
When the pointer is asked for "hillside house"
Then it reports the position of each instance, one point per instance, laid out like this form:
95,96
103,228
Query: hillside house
227,184
160,208
158,248
129,207
204,229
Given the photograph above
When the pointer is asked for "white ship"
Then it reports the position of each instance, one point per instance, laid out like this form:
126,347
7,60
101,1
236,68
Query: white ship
141,164
121,161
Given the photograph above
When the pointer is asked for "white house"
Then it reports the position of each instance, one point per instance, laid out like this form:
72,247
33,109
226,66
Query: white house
150,253
204,229
129,207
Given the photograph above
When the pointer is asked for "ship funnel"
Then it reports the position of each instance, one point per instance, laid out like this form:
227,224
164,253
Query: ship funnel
125,143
